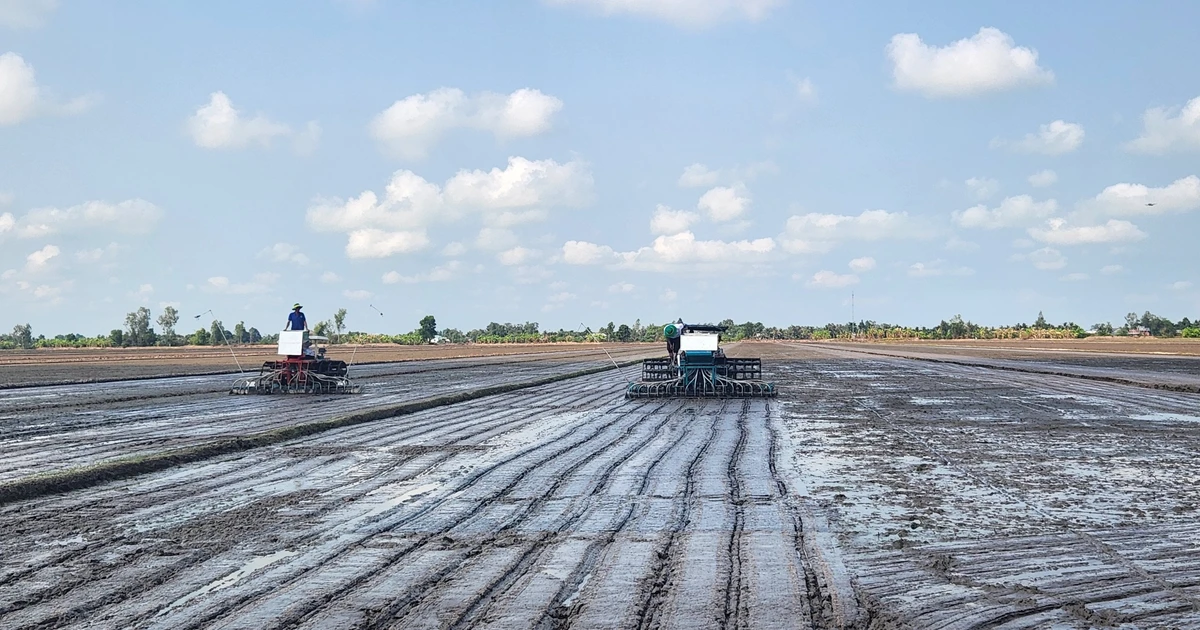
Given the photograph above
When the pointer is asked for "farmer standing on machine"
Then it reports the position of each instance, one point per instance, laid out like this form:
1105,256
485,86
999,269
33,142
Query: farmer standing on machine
296,320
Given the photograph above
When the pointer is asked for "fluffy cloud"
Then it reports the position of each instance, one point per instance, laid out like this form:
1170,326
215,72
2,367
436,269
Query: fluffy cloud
437,274
495,239
1182,195
20,95
375,243
585,253
831,280
937,268
1058,232
520,193
284,252
805,90
1109,270
1016,211
1182,285
989,61
39,259
685,13
25,13
859,265
1042,179
7,223
330,277
668,221
218,125
816,233
133,216
412,125
1046,258
1169,129
698,176
670,252
360,294
725,203
1053,138
982,187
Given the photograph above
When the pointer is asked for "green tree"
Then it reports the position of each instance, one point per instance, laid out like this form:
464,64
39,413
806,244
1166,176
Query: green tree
339,321
217,334
322,328
137,324
255,336
23,336
1041,321
624,333
453,335
1131,321
117,337
1105,329
167,322
428,328
199,338
239,333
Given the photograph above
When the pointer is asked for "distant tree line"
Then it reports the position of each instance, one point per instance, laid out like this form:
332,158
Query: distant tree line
139,332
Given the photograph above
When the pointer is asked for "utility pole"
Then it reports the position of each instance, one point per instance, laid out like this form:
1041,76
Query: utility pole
853,322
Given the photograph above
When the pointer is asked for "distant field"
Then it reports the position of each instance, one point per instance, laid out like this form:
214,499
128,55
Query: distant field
1116,345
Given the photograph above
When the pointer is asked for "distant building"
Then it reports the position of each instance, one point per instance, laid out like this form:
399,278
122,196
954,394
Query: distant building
1140,331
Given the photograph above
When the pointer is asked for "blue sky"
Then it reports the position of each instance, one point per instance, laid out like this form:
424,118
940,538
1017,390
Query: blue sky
581,161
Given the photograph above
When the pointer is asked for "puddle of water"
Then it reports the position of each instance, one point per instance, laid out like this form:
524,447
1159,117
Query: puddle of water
1162,416
255,563
395,501
916,400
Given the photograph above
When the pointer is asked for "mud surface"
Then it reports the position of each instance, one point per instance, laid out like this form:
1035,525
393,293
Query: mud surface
875,492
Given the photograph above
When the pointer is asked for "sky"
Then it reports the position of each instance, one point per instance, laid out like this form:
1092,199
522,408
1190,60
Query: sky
575,162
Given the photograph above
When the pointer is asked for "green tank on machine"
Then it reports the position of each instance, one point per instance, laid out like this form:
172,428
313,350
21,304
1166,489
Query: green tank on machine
698,368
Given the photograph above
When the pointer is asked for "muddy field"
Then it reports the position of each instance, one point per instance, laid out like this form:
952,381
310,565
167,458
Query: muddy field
886,487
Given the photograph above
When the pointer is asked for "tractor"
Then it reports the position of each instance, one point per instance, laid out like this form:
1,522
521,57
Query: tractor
698,368
304,369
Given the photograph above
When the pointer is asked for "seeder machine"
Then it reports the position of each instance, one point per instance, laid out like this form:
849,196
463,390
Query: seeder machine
303,370
698,368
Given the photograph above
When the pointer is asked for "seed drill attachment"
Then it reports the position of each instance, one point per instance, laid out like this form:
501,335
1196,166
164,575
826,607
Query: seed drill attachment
698,368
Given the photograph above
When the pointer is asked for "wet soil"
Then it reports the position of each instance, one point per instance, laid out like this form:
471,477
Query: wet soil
874,492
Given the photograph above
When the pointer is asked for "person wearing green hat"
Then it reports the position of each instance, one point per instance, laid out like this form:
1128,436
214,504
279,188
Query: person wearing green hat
672,333
296,320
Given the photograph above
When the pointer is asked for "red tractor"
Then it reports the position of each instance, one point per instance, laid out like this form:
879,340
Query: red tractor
303,370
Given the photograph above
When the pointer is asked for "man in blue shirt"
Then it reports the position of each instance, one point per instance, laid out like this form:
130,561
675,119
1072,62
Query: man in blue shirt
296,319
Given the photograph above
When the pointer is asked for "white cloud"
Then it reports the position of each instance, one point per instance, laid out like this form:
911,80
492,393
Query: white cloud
1169,129
130,216
989,61
25,13
39,259
1046,258
454,249
375,243
7,223
698,176
441,273
831,280
725,203
523,184
860,265
260,283
982,187
329,277
1182,195
1109,270
1182,285
1054,138
1058,232
284,252
218,125
668,295
360,294
668,221
584,253
522,192
816,233
621,287
1042,179
937,268
805,90
20,95
515,256
412,125
1074,277
145,290
684,13
1017,211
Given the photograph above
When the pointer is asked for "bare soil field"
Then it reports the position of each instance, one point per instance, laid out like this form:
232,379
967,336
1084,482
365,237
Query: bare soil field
877,491
1038,347
69,365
